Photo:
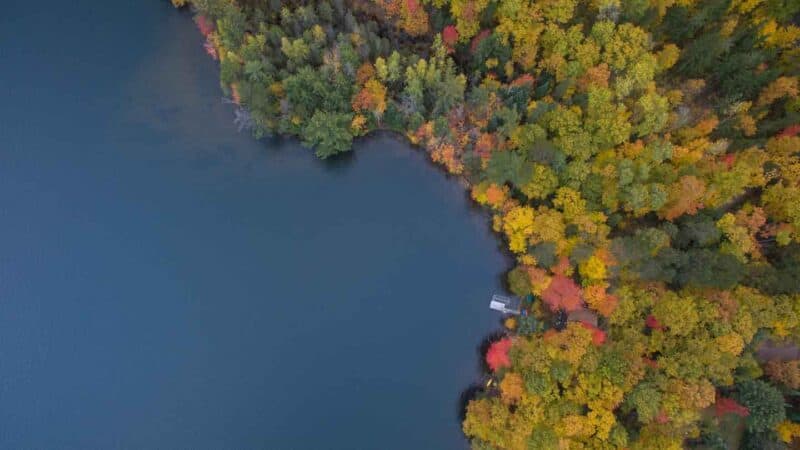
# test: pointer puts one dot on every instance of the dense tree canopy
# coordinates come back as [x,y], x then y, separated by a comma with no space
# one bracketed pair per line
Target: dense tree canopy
[641,158]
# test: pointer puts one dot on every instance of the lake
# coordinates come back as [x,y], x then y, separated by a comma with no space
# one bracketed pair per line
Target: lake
[167,282]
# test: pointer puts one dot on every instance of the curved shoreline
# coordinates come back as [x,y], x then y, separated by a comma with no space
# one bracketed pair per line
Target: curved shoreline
[635,204]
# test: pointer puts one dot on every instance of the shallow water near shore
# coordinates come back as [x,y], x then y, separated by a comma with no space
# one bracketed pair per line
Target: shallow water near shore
[168,282]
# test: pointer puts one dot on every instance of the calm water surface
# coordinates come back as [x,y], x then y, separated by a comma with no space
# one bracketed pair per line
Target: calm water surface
[168,283]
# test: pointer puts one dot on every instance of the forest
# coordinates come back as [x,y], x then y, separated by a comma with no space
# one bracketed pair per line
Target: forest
[640,159]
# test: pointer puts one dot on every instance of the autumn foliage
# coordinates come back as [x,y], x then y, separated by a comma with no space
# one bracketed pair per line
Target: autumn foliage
[653,323]
[473,46]
[792,130]
[450,36]
[598,335]
[205,25]
[598,299]
[641,160]
[372,97]
[562,293]
[784,372]
[497,355]
[726,405]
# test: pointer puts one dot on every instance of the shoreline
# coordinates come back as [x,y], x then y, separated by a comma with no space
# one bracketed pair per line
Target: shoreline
[619,191]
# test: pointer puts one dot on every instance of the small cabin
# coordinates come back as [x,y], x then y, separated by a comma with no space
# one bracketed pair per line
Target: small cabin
[506,305]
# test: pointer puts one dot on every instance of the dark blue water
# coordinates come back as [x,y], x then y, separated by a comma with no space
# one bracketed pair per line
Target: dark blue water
[168,283]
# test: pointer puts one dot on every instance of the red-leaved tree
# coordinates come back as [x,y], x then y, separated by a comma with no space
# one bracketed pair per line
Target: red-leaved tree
[473,46]
[598,335]
[210,50]
[497,355]
[450,36]
[522,80]
[726,405]
[653,323]
[562,293]
[792,130]
[206,26]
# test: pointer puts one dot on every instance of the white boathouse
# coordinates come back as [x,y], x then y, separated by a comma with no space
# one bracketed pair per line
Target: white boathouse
[506,305]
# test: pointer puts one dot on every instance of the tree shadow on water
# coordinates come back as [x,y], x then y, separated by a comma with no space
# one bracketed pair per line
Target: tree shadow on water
[466,396]
[475,389]
[339,163]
